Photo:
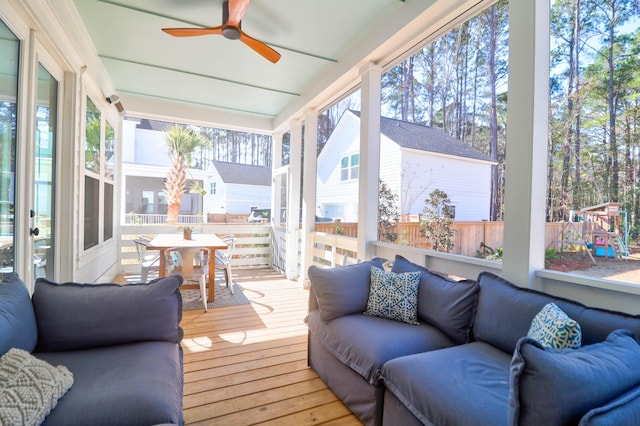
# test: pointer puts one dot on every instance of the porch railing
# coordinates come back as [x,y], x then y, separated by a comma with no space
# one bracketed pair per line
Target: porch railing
[253,247]
[160,219]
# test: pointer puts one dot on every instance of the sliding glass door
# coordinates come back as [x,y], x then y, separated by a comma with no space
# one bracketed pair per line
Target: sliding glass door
[9,54]
[43,212]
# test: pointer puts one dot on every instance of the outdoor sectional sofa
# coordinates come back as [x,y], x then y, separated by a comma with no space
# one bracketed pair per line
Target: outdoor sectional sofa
[469,360]
[93,354]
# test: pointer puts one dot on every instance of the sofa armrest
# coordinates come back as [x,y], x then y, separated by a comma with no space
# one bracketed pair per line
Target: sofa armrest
[74,316]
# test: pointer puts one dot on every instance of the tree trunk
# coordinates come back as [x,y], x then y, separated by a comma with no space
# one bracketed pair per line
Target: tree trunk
[493,115]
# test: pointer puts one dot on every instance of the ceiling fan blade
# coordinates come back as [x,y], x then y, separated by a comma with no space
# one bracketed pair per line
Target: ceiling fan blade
[261,48]
[191,32]
[237,8]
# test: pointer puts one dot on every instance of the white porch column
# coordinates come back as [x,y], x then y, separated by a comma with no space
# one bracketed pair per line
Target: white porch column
[369,158]
[526,161]
[276,163]
[293,200]
[309,191]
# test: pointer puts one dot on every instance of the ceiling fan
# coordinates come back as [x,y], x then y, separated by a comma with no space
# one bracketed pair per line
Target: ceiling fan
[232,13]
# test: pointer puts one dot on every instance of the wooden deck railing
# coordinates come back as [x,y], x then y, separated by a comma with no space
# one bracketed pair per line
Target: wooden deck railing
[252,250]
[468,237]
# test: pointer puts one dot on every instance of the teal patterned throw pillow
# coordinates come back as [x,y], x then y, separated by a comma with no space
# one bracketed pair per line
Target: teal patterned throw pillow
[394,296]
[552,328]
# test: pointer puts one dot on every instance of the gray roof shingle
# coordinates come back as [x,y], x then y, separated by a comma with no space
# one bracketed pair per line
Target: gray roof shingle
[425,138]
[243,173]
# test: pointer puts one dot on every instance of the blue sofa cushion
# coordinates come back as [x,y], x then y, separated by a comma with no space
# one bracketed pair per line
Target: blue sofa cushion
[134,384]
[552,328]
[623,410]
[75,316]
[343,290]
[550,387]
[447,304]
[18,327]
[365,343]
[394,296]
[463,385]
[505,312]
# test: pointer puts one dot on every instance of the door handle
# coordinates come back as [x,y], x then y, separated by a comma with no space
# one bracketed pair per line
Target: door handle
[34,231]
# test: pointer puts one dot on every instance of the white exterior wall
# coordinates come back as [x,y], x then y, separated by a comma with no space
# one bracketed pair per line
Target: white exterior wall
[240,198]
[214,203]
[467,183]
[335,198]
[391,168]
[151,148]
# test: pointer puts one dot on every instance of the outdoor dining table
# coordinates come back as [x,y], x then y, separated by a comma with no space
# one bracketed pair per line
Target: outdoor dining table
[211,241]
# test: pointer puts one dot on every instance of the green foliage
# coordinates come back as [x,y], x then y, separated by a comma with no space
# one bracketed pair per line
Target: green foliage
[489,252]
[388,214]
[437,224]
[551,254]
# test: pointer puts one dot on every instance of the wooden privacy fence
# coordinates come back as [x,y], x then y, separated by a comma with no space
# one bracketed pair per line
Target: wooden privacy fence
[468,237]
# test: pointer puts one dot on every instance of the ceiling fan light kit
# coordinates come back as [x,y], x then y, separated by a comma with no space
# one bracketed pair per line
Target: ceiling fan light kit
[232,13]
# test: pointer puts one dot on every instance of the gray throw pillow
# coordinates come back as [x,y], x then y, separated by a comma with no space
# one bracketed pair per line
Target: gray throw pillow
[77,316]
[343,290]
[444,303]
[18,327]
[551,387]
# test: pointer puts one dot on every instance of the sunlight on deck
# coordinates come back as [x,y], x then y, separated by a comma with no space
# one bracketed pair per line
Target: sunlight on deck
[247,364]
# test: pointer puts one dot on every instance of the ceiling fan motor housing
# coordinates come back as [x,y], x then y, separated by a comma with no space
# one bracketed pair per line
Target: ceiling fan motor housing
[230,32]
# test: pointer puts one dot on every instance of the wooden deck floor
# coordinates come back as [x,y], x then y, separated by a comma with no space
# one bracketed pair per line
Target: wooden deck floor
[247,364]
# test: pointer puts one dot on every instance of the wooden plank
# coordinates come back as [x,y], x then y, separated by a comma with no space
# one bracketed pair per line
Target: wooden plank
[247,364]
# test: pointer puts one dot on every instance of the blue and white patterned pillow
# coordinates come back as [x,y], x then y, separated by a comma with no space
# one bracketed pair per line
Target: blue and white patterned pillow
[552,328]
[394,296]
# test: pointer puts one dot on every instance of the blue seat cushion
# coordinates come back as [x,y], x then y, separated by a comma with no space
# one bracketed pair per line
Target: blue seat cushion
[133,384]
[505,312]
[343,290]
[551,387]
[75,316]
[623,410]
[18,327]
[462,385]
[445,303]
[365,343]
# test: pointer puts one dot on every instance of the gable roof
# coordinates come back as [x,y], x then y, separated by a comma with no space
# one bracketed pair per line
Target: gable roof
[243,173]
[425,138]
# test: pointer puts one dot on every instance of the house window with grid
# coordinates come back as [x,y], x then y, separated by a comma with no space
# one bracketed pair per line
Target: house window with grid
[350,167]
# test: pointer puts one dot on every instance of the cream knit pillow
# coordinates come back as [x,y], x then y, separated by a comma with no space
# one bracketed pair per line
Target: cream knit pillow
[29,388]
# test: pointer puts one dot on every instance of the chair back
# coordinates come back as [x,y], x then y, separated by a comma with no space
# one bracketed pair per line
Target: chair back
[225,256]
[145,256]
[190,262]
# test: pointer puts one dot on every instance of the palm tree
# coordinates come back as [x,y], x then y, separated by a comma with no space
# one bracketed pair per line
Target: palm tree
[182,142]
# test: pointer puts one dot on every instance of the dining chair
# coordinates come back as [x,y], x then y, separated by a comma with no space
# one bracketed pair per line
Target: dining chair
[149,259]
[193,264]
[223,259]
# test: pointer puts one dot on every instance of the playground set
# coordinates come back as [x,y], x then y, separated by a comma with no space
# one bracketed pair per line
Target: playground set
[598,231]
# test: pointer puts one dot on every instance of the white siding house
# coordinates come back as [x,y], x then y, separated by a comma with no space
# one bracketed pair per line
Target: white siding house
[230,187]
[415,160]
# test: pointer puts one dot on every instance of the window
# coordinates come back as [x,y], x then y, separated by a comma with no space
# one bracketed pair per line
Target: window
[99,170]
[350,167]
[91,211]
[212,188]
[108,212]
